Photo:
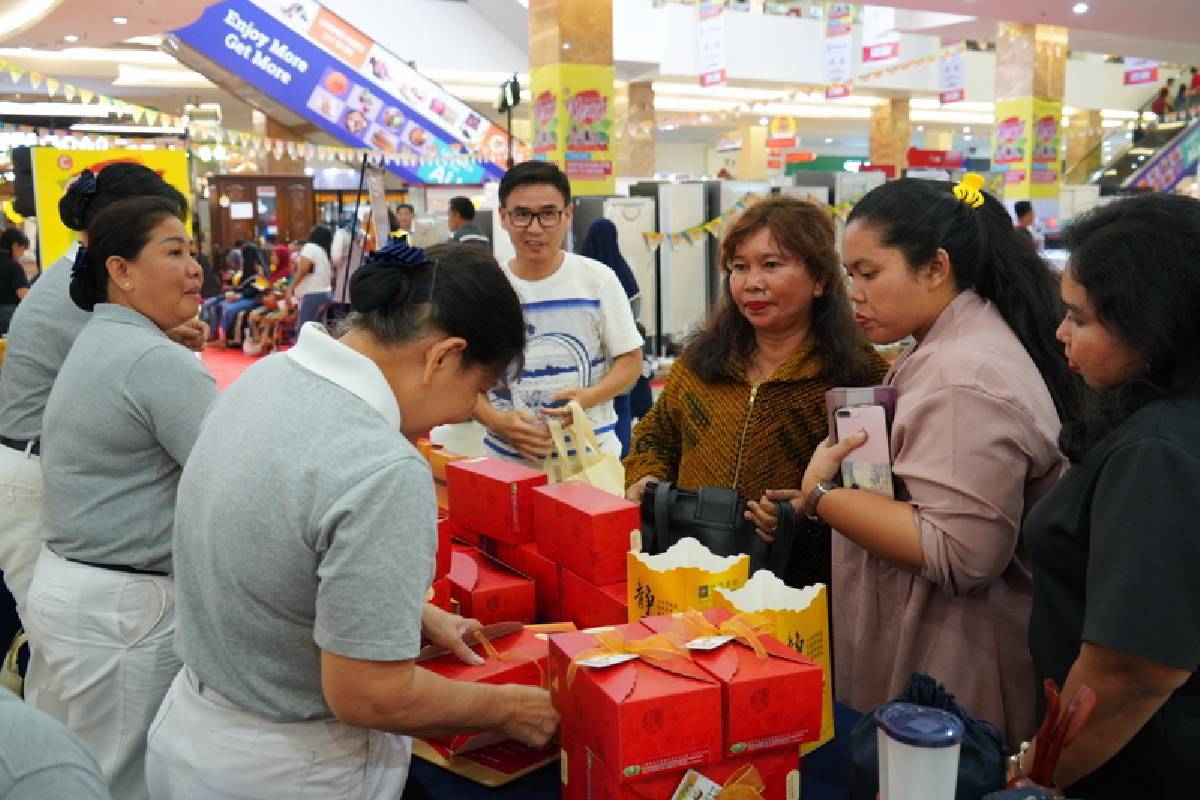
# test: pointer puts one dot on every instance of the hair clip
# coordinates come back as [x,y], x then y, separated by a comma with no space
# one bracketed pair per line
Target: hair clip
[84,184]
[968,190]
[80,265]
[399,253]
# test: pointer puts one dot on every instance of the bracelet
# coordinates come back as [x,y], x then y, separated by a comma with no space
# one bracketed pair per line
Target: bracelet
[814,497]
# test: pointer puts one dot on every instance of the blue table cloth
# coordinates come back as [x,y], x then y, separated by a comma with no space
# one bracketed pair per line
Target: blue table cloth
[825,775]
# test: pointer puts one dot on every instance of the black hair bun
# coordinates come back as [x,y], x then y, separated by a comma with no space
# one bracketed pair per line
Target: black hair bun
[73,205]
[83,282]
[386,276]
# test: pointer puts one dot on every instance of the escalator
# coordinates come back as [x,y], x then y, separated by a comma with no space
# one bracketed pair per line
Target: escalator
[1177,160]
[1132,156]
[297,60]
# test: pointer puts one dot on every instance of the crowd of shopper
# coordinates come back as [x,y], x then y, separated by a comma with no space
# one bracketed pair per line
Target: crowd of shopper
[1044,447]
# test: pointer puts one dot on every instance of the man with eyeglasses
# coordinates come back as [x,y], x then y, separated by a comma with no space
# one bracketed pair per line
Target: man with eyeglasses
[582,344]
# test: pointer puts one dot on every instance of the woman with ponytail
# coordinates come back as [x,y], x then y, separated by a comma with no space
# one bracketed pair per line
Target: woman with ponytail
[119,424]
[299,628]
[935,581]
[42,331]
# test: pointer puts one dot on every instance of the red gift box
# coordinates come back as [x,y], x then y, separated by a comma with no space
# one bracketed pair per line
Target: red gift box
[652,714]
[584,529]
[439,595]
[441,565]
[546,575]
[770,701]
[494,497]
[487,591]
[518,657]
[774,770]
[591,606]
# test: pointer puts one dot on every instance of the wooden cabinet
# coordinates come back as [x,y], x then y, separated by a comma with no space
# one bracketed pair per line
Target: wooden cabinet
[249,206]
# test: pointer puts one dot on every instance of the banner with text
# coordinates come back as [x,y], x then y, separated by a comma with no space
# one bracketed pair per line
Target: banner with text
[1028,147]
[839,49]
[952,77]
[572,123]
[710,42]
[54,169]
[880,39]
[310,60]
[1140,70]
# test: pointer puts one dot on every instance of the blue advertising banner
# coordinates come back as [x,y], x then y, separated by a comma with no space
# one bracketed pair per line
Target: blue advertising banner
[335,92]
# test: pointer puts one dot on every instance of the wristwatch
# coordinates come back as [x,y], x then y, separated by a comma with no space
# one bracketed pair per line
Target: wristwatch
[814,497]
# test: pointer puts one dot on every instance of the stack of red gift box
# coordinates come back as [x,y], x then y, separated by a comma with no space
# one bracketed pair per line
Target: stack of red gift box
[642,720]
[534,551]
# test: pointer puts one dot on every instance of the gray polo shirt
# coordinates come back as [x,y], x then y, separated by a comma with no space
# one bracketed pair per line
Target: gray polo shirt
[42,330]
[120,422]
[41,760]
[314,529]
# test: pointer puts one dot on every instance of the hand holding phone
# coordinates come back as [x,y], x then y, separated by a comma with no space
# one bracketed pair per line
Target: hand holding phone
[870,466]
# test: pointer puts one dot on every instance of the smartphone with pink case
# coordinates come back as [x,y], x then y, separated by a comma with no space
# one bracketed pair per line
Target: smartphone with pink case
[870,466]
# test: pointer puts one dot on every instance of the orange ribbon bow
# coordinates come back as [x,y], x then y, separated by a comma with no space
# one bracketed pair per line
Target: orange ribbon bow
[746,628]
[744,784]
[612,643]
[490,650]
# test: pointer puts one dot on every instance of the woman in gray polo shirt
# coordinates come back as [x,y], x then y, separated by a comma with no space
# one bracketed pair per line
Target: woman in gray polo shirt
[301,610]
[119,424]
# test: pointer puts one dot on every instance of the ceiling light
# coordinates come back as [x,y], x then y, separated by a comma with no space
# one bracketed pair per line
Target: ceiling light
[763,120]
[131,75]
[52,110]
[828,141]
[968,138]
[120,21]
[920,129]
[952,117]
[966,128]
[95,54]
[1080,8]
[71,38]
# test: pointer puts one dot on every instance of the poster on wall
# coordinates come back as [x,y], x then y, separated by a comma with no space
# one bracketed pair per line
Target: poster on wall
[1011,152]
[324,69]
[1140,70]
[839,49]
[880,39]
[54,170]
[952,78]
[782,132]
[572,123]
[1045,176]
[710,42]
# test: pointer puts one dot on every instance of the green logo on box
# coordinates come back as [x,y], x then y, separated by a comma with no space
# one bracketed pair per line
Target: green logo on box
[632,772]
[740,747]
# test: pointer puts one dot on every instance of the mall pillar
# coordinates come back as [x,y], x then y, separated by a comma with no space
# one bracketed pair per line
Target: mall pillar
[634,112]
[1085,145]
[752,158]
[571,81]
[1031,70]
[891,135]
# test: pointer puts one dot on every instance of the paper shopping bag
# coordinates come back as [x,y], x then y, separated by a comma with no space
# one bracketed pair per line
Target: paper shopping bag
[580,458]
[680,579]
[801,618]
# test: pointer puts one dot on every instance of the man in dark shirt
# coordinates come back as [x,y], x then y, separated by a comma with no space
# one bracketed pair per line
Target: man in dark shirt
[13,283]
[461,221]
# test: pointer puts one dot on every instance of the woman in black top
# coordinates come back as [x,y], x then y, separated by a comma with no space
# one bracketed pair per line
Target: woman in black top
[1116,543]
[13,283]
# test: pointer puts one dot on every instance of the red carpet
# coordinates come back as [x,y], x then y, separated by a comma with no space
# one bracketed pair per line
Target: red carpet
[226,365]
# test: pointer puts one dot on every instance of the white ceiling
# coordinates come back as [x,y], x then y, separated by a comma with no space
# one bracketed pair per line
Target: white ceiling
[1168,30]
[92,20]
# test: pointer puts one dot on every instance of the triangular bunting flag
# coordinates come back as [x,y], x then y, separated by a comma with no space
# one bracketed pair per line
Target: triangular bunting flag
[69,91]
[86,96]
[151,116]
[35,79]
[16,72]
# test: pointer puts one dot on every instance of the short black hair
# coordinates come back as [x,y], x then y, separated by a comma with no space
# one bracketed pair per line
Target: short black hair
[121,229]
[1022,207]
[12,237]
[272,238]
[409,206]
[463,207]
[535,172]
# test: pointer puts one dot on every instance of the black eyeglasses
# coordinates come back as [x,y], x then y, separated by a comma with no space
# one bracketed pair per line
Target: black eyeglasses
[523,217]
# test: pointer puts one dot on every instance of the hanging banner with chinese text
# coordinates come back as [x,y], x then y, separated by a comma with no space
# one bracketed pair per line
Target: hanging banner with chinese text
[710,42]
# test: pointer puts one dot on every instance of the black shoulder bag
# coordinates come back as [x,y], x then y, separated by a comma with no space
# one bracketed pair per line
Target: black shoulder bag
[716,517]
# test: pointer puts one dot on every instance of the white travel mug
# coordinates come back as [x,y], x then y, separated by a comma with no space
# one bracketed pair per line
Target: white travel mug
[918,752]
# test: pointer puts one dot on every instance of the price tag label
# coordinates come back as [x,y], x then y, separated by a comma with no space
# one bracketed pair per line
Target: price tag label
[708,642]
[610,660]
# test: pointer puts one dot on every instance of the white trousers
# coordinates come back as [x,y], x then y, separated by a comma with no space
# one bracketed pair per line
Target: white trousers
[20,521]
[203,746]
[102,658]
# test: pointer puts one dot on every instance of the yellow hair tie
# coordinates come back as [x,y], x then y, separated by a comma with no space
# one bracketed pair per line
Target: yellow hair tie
[968,190]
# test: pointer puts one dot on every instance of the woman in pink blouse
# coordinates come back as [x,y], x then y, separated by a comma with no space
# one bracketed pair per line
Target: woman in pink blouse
[936,581]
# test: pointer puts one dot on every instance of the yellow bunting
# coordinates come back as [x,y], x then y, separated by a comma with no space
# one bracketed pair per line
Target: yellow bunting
[86,96]
[35,79]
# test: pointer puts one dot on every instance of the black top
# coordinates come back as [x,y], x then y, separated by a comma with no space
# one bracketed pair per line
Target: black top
[1116,562]
[12,277]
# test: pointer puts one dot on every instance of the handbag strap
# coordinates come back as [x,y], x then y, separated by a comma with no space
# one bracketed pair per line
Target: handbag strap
[786,532]
[558,463]
[662,515]
[583,435]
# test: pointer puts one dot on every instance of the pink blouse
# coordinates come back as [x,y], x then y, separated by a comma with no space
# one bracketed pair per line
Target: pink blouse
[974,445]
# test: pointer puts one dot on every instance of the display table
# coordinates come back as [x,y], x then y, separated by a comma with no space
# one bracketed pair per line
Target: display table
[825,775]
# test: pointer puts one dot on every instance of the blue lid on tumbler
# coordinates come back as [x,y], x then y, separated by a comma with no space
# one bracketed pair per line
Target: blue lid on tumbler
[919,726]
